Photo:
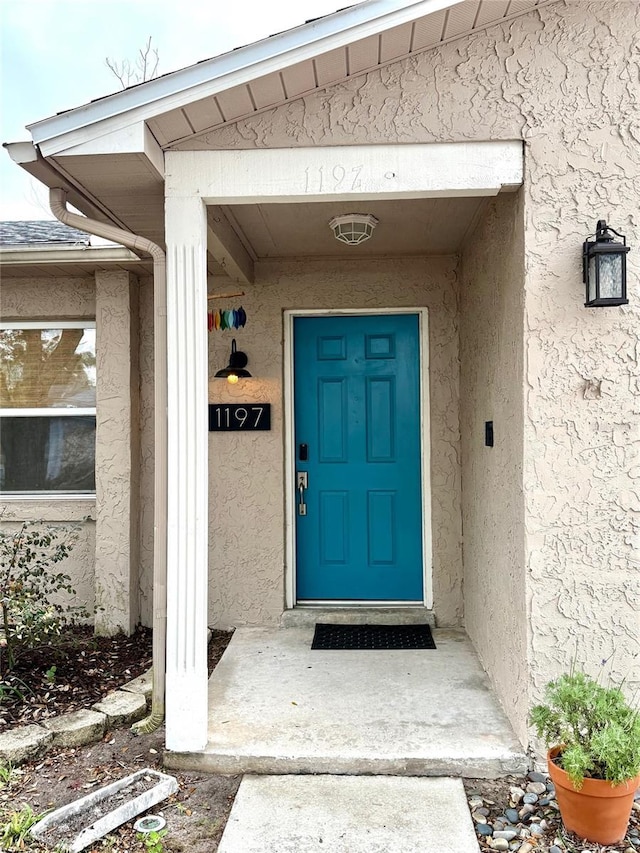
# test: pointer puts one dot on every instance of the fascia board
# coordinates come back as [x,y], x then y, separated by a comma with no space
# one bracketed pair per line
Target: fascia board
[391,171]
[27,156]
[182,87]
[132,139]
[44,255]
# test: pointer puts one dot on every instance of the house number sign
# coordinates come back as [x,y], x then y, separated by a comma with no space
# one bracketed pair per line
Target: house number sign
[239,417]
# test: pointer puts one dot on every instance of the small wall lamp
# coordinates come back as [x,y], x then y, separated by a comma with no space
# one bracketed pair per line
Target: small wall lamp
[236,368]
[604,268]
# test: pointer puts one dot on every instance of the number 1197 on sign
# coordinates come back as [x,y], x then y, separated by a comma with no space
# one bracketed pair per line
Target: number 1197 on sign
[239,417]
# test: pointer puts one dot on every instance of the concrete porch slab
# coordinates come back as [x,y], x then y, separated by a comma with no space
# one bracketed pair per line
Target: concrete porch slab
[277,707]
[349,814]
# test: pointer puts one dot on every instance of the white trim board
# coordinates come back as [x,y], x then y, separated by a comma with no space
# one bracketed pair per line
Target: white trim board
[47,324]
[49,412]
[349,172]
[289,444]
[46,497]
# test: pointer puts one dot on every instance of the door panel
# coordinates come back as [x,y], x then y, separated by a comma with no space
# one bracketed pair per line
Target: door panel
[357,408]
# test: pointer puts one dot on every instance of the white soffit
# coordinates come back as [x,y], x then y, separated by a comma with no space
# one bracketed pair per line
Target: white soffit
[270,72]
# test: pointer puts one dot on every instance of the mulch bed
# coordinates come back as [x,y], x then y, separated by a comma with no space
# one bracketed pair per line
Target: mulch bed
[71,672]
[217,645]
[86,669]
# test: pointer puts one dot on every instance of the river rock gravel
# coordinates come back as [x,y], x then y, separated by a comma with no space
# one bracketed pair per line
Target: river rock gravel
[520,814]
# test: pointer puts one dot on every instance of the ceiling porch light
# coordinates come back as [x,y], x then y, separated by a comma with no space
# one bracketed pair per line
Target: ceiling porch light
[353,228]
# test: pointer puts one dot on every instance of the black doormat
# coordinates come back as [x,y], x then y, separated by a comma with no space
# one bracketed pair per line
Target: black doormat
[372,637]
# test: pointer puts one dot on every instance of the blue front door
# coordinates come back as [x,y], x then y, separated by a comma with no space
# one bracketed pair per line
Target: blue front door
[357,438]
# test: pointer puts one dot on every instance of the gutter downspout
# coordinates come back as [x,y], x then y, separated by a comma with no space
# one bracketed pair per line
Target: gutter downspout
[58,205]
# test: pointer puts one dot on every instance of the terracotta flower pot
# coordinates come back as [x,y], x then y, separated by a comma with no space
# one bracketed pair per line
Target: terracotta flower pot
[597,812]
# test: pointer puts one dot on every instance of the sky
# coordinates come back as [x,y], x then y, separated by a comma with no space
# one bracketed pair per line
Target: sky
[52,58]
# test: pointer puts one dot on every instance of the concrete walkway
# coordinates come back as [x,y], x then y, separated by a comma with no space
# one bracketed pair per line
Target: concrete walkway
[277,707]
[378,729]
[349,814]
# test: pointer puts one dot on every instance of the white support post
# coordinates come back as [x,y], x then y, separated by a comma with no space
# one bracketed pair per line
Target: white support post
[187,474]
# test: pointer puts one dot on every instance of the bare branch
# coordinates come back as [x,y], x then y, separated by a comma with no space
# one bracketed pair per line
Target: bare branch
[145,68]
[121,70]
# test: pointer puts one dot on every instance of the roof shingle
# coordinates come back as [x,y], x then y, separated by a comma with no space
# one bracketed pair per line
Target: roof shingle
[41,233]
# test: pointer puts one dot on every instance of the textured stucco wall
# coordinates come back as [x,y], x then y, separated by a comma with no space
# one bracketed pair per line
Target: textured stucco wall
[246,483]
[68,299]
[565,80]
[75,523]
[117,457]
[491,389]
[146,436]
[582,416]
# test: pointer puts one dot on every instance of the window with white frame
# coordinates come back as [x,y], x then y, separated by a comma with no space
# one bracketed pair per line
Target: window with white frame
[47,408]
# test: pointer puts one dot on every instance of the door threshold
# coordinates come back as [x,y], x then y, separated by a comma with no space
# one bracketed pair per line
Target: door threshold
[367,613]
[349,602]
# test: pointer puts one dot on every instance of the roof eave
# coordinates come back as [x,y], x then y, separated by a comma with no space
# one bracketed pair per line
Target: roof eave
[28,157]
[174,90]
[14,255]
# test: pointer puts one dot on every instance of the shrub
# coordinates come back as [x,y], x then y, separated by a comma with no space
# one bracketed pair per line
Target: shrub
[15,828]
[595,727]
[152,840]
[32,592]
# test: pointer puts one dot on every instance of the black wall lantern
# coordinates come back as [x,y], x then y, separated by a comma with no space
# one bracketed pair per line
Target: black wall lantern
[604,268]
[236,368]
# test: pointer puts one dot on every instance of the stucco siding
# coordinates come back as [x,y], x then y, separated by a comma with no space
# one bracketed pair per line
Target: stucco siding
[582,449]
[147,454]
[48,298]
[246,482]
[75,523]
[56,299]
[553,73]
[117,443]
[491,389]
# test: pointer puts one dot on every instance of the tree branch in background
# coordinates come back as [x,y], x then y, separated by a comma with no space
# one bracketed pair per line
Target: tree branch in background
[145,66]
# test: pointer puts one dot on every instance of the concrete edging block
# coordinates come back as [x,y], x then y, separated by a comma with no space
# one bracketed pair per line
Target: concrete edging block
[21,744]
[121,708]
[142,685]
[77,728]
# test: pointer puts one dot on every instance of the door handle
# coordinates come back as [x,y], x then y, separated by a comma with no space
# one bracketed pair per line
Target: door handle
[302,480]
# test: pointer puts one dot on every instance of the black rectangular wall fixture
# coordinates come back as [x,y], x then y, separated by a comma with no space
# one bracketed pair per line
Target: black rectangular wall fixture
[239,417]
[488,433]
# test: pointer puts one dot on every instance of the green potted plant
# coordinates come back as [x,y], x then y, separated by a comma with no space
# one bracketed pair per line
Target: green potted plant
[593,737]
